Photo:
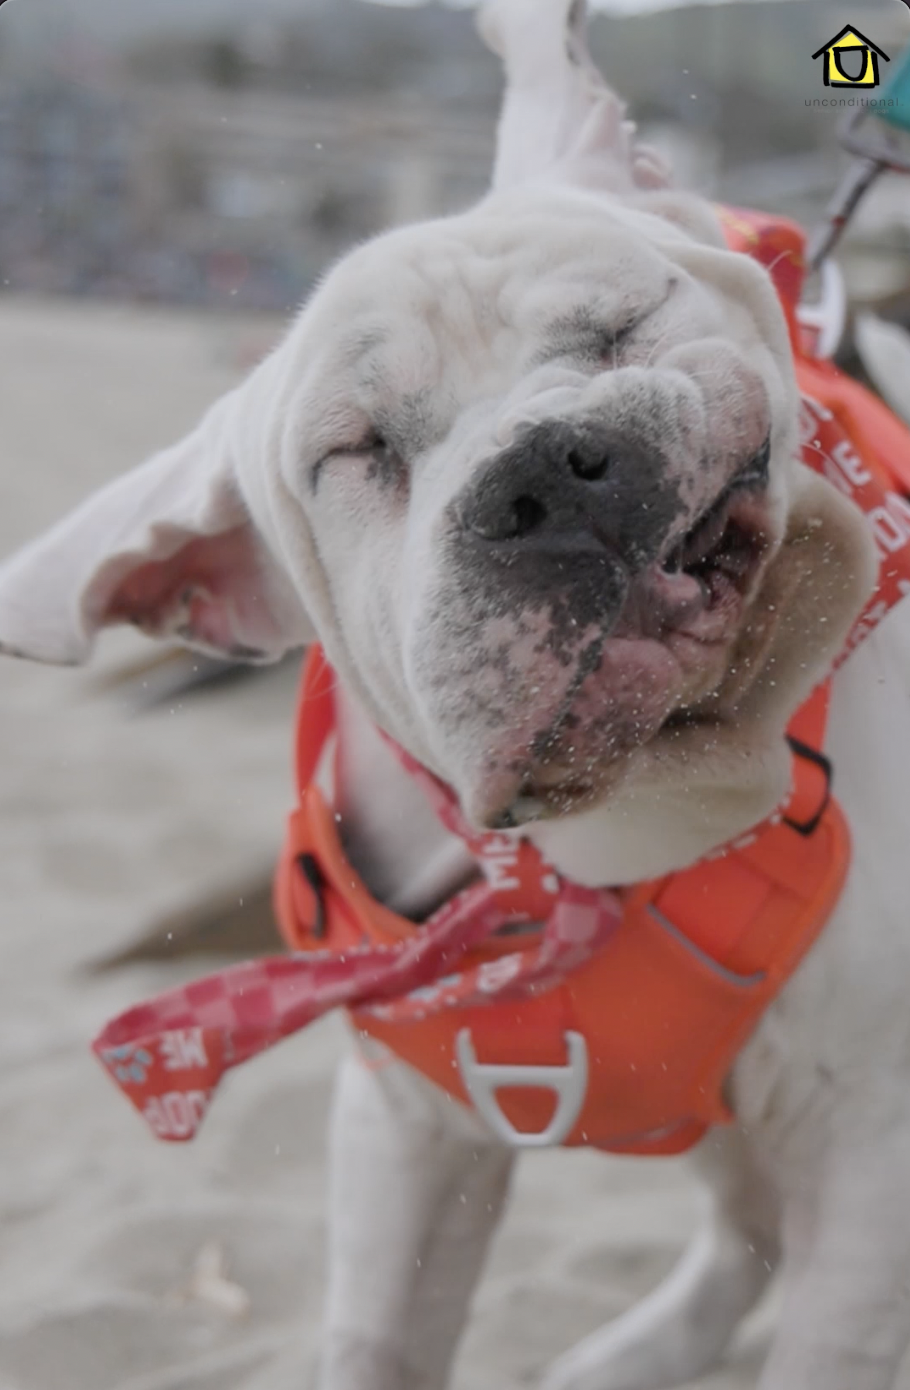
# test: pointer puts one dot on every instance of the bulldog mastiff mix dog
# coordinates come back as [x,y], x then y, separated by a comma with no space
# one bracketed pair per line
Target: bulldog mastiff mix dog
[531,474]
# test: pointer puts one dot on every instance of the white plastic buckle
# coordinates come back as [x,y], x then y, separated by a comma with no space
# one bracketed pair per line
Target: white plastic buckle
[570,1082]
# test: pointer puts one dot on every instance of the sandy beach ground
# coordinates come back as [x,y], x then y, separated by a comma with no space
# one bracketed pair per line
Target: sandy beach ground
[110,818]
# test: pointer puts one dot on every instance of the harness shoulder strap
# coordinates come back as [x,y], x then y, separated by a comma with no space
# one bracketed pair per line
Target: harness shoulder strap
[315,716]
[309,909]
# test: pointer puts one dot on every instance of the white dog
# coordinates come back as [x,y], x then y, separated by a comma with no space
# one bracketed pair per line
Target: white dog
[484,467]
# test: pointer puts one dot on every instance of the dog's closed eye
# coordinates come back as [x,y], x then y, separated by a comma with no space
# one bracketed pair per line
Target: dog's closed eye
[598,335]
[613,341]
[384,462]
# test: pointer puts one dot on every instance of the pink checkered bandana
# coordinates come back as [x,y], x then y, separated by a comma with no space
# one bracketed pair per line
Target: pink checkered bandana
[169,1055]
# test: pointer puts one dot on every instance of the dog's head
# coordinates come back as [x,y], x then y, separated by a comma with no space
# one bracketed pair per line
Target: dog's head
[531,474]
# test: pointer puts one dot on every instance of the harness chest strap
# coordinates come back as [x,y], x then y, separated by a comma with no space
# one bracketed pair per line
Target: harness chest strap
[614,1025]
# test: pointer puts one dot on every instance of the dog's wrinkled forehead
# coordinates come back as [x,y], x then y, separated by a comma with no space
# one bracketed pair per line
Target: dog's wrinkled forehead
[409,330]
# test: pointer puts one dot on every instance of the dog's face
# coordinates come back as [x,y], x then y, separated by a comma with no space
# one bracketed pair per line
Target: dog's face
[547,459]
[531,473]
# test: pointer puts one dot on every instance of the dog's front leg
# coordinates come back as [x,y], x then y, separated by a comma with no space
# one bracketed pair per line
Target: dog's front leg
[681,1329]
[845,1323]
[416,1187]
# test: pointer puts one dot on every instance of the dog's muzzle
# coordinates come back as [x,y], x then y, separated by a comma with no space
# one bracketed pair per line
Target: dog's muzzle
[562,509]
[557,488]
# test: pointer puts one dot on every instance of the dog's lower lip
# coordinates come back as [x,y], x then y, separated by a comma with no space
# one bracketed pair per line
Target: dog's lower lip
[535,803]
[523,811]
[549,796]
[683,719]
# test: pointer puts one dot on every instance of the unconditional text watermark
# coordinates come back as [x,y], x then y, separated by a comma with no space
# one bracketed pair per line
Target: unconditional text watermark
[873,103]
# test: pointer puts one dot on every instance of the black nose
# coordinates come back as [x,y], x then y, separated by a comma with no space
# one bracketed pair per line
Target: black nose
[554,486]
[565,517]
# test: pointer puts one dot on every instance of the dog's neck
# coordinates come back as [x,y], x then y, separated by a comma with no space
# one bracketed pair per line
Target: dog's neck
[407,859]
[412,864]
[644,832]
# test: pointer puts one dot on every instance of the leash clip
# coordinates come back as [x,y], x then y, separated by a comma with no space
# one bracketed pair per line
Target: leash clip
[570,1082]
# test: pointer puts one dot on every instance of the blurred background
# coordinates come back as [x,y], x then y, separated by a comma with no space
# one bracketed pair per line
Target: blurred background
[218,153]
[174,175]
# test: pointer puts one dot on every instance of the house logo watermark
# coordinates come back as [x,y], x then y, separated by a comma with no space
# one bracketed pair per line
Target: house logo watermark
[851,60]
[851,70]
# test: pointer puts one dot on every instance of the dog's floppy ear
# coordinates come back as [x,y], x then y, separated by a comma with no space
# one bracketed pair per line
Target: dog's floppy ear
[559,118]
[169,547]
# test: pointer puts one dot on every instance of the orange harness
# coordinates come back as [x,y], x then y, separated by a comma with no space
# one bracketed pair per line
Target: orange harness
[630,1053]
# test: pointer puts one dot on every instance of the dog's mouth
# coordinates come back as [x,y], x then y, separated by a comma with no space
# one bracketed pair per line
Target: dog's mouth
[713,566]
[723,549]
[668,650]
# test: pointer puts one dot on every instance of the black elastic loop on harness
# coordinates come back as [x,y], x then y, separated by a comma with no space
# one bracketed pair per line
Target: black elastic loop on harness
[812,755]
[313,875]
